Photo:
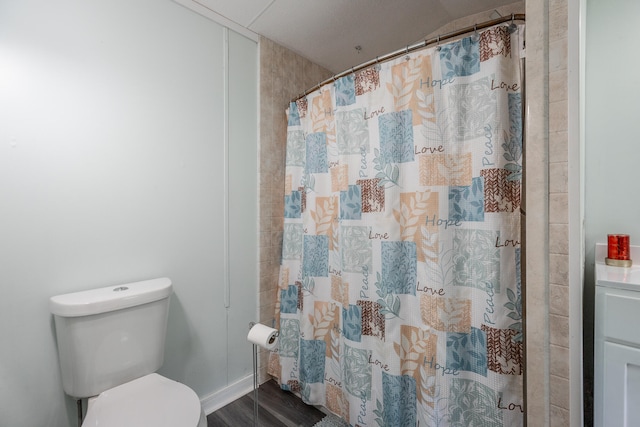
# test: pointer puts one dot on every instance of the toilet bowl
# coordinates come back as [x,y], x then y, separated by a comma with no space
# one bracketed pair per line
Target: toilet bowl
[152,400]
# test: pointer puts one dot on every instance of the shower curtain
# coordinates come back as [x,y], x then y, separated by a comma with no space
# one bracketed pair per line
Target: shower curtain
[399,300]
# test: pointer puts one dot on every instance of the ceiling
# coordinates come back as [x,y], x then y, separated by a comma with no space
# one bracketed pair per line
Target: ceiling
[328,31]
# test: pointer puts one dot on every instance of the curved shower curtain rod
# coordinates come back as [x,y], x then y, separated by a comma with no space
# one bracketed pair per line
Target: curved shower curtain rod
[424,43]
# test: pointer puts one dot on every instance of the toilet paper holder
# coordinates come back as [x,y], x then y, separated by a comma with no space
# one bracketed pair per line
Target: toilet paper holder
[271,339]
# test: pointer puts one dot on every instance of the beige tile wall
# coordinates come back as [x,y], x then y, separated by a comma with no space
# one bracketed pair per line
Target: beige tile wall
[548,308]
[283,76]
[559,367]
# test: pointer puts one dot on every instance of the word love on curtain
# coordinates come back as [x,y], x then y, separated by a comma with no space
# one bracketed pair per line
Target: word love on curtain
[399,300]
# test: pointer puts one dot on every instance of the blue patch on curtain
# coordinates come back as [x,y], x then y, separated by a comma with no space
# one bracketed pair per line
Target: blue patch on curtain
[352,131]
[315,256]
[316,154]
[399,267]
[295,148]
[518,270]
[292,241]
[399,398]
[292,205]
[396,137]
[289,300]
[513,144]
[352,322]
[473,404]
[345,91]
[467,351]
[351,203]
[515,119]
[294,115]
[459,59]
[476,260]
[466,203]
[473,107]
[357,372]
[289,338]
[357,249]
[312,355]
[516,310]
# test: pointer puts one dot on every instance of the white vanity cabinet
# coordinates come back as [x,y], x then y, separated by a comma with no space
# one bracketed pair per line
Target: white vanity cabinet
[617,343]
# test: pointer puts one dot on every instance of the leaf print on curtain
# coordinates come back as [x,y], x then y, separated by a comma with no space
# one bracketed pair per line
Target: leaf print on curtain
[399,297]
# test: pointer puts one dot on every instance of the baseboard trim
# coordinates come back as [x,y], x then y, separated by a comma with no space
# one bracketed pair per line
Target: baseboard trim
[220,398]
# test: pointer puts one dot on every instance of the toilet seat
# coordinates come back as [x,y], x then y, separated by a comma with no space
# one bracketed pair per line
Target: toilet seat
[152,400]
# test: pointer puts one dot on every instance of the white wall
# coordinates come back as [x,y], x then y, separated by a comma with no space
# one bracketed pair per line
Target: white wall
[612,117]
[112,131]
[612,153]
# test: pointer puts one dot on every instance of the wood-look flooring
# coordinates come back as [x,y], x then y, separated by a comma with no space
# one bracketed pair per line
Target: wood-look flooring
[277,408]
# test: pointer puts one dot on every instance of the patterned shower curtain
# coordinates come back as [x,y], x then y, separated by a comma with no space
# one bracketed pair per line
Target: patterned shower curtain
[399,300]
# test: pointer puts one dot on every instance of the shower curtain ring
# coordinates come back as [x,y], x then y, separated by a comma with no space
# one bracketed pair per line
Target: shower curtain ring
[512,27]
[438,44]
[406,51]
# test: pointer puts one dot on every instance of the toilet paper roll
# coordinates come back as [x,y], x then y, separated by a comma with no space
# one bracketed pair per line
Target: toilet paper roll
[263,336]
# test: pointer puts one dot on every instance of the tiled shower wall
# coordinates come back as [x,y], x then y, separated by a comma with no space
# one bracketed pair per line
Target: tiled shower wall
[558,302]
[283,76]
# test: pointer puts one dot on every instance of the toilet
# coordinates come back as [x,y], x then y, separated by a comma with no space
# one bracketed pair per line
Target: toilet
[110,345]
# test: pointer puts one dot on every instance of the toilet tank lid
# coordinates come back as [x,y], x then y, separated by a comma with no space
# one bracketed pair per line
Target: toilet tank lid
[110,298]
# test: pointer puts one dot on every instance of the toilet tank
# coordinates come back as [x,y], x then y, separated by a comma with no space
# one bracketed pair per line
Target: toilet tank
[111,335]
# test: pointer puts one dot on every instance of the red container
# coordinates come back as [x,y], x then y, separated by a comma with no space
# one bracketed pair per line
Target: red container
[618,247]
